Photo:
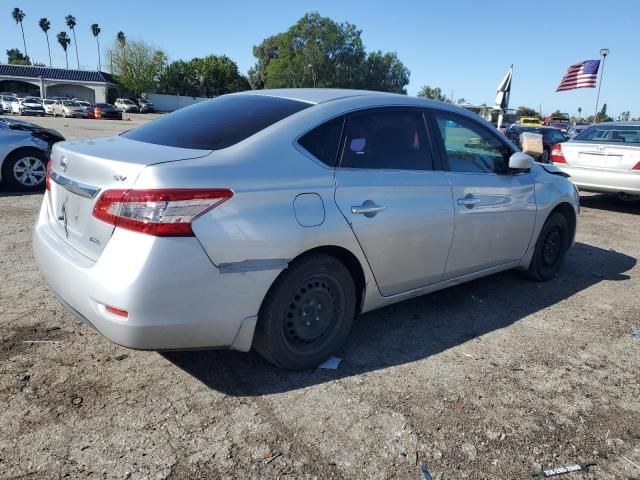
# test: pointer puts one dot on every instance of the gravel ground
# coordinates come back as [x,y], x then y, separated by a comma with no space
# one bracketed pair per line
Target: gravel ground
[492,379]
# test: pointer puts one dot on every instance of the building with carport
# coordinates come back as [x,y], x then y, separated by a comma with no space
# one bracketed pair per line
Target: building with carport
[90,85]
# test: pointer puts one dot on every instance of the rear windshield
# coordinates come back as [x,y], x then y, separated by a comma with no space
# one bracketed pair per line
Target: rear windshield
[218,123]
[610,134]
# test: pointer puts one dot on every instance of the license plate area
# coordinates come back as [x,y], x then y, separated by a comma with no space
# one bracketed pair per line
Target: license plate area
[599,160]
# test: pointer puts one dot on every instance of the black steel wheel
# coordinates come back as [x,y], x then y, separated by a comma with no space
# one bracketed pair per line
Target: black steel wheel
[307,314]
[551,247]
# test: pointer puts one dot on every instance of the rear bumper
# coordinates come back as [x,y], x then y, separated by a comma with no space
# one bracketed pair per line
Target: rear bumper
[176,298]
[603,180]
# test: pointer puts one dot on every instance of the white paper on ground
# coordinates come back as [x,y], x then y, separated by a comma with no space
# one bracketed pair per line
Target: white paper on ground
[332,363]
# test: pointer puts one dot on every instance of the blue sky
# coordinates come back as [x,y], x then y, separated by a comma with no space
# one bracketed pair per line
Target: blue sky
[464,46]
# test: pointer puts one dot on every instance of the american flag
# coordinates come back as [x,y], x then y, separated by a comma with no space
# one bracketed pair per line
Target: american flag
[580,75]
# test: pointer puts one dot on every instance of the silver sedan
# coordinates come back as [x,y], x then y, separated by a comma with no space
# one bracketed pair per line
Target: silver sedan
[604,158]
[272,218]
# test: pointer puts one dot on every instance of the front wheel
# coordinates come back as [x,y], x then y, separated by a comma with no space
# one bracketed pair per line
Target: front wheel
[307,314]
[551,247]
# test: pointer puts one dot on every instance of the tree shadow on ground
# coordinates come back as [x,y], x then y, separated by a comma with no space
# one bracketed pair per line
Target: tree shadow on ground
[415,329]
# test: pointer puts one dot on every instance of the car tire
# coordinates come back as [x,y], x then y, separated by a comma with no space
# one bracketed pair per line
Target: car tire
[307,314]
[551,248]
[20,159]
[546,156]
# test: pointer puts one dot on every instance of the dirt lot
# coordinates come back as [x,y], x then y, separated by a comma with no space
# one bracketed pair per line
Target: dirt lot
[493,379]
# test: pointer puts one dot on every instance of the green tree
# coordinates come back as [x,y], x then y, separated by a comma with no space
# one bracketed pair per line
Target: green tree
[433,93]
[318,52]
[71,23]
[45,25]
[95,30]
[15,57]
[136,65]
[210,76]
[526,112]
[64,41]
[624,116]
[602,115]
[18,15]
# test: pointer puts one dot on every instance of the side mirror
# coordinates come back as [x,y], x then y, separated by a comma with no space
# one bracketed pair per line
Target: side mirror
[520,161]
[531,144]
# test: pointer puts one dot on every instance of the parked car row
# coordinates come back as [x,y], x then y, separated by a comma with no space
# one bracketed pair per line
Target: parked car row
[550,137]
[71,107]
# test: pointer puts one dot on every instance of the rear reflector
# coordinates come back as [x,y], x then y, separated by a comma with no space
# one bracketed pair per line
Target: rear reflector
[47,178]
[159,212]
[556,154]
[116,311]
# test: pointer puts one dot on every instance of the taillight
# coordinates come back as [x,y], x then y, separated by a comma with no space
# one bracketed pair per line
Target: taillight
[556,154]
[636,167]
[47,178]
[159,212]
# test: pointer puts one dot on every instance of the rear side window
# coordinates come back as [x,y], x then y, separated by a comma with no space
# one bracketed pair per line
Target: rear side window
[387,139]
[218,123]
[323,142]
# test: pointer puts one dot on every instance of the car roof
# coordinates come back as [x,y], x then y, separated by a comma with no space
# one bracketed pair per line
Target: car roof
[620,124]
[316,95]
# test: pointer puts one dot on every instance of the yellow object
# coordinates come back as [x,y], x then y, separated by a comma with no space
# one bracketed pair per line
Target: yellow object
[533,121]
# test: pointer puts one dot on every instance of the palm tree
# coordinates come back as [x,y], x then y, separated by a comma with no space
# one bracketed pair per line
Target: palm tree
[45,25]
[18,15]
[71,23]
[64,41]
[95,29]
[122,40]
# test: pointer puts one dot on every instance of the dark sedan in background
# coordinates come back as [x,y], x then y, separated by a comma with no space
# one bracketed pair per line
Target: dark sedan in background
[550,137]
[106,110]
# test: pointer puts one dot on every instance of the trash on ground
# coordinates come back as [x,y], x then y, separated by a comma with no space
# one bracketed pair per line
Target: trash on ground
[121,357]
[552,472]
[636,332]
[272,458]
[425,472]
[332,363]
[76,400]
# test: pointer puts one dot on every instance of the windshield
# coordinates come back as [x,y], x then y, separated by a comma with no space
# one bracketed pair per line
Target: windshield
[218,123]
[68,103]
[611,134]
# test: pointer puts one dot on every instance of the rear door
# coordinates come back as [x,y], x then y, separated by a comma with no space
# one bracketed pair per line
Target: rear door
[396,200]
[495,209]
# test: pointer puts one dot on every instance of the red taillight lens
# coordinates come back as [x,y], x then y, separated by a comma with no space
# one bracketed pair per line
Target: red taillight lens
[636,167]
[556,154]
[47,178]
[116,311]
[160,212]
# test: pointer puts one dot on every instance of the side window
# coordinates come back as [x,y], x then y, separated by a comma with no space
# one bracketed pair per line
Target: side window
[391,139]
[470,147]
[323,142]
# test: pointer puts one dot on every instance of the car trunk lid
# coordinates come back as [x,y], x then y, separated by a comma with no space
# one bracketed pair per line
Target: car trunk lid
[82,170]
[606,156]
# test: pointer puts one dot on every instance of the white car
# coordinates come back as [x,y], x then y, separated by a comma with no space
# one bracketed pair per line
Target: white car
[48,105]
[27,106]
[5,102]
[604,158]
[126,105]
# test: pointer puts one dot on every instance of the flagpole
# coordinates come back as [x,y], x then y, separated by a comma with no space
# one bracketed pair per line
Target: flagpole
[604,52]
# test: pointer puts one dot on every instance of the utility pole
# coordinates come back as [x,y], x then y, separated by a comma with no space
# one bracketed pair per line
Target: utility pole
[604,52]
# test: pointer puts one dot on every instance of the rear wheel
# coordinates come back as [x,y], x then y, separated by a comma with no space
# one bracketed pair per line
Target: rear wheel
[628,198]
[307,314]
[551,247]
[25,170]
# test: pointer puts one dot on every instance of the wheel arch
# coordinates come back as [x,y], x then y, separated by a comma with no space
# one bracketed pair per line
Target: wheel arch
[350,261]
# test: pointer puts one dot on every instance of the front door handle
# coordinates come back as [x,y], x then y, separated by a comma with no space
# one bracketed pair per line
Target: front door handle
[368,209]
[468,202]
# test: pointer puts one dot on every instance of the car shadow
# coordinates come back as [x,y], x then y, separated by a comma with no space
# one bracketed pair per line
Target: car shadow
[414,329]
[609,202]
[5,192]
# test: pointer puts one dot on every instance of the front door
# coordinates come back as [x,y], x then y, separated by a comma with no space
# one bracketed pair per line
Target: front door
[495,209]
[396,202]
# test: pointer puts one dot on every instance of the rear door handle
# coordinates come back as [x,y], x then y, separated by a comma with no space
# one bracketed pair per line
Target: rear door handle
[368,209]
[469,202]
